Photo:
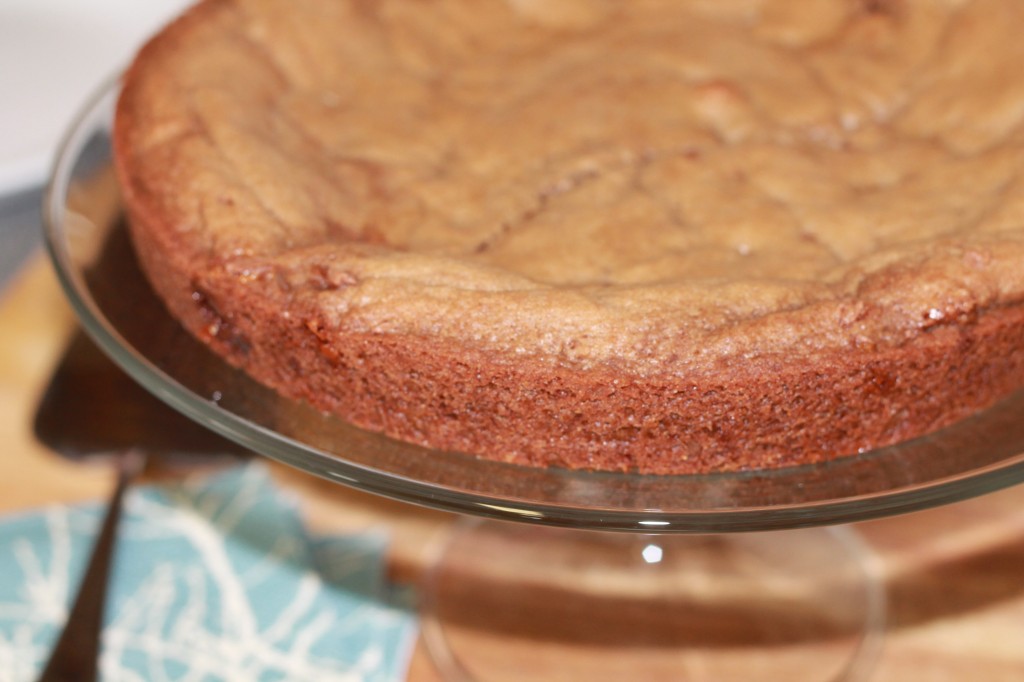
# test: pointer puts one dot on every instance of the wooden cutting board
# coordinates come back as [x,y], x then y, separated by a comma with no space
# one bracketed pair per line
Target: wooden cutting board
[955,575]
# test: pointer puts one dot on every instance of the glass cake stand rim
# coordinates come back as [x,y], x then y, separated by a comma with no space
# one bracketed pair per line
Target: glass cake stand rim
[714,513]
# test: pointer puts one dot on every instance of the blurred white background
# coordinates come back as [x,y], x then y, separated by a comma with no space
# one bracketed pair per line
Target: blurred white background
[53,55]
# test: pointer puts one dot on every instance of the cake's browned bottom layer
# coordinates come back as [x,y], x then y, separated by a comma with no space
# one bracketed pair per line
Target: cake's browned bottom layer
[783,412]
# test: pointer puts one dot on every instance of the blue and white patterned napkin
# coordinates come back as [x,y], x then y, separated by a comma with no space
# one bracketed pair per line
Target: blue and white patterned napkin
[214,579]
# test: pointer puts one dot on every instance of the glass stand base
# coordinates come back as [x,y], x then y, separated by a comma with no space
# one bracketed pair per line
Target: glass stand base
[506,601]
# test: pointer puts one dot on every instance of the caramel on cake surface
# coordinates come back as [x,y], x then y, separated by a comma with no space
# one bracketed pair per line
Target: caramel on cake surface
[674,196]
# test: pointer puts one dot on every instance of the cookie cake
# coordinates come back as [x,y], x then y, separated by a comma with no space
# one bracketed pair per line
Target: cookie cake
[659,236]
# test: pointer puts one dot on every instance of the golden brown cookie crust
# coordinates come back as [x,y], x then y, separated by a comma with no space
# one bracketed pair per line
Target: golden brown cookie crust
[665,236]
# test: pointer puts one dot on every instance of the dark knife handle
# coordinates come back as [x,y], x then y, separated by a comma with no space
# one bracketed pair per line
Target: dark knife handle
[75,657]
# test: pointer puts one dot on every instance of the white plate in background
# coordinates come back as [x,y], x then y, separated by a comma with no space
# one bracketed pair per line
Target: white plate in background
[53,55]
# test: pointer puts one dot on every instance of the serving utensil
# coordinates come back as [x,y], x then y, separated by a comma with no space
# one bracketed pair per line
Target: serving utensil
[93,410]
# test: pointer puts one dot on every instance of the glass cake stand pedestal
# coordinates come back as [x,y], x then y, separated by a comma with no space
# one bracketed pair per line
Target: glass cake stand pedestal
[557,574]
[507,601]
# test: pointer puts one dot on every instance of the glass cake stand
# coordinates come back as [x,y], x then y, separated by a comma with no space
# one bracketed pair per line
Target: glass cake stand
[605,575]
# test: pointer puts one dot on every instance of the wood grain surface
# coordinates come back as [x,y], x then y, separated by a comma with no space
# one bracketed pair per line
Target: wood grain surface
[954,575]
